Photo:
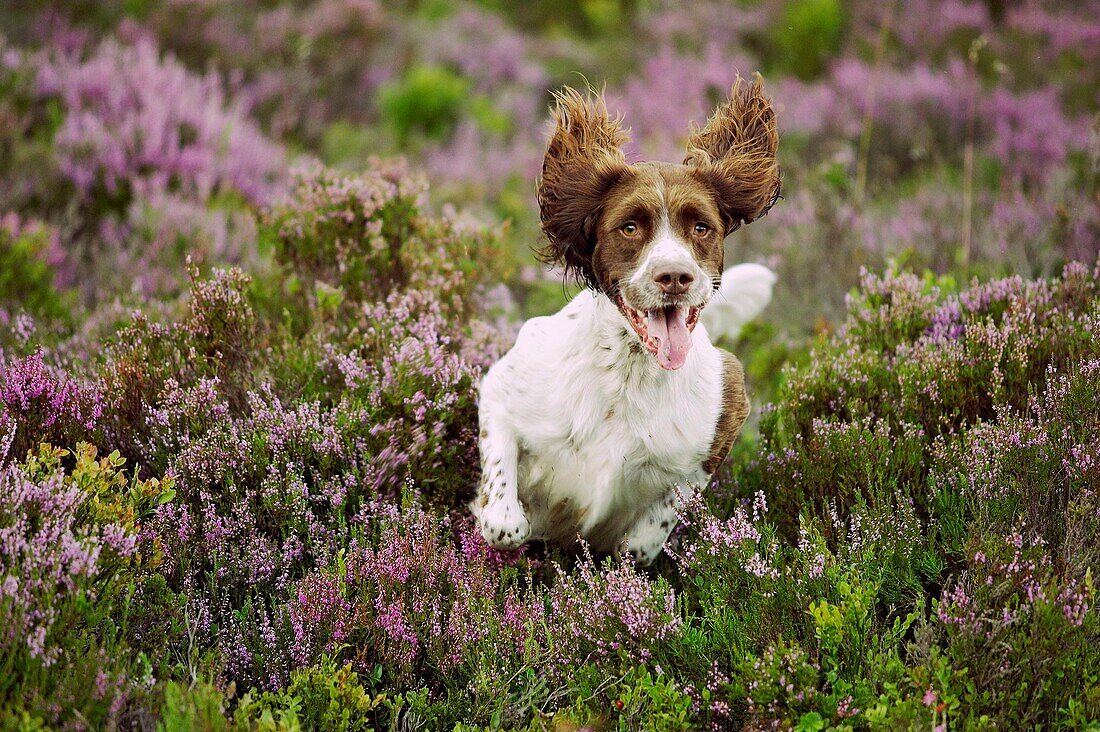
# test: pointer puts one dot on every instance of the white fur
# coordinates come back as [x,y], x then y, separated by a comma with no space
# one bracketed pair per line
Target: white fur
[578,415]
[668,251]
[746,290]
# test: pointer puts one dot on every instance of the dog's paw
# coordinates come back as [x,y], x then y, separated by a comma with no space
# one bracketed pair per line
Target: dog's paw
[504,525]
[642,555]
[646,542]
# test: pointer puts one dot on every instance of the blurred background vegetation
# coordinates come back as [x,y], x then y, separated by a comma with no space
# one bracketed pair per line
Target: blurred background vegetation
[951,135]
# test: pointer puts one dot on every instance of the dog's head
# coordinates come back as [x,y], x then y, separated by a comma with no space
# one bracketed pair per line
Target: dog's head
[649,235]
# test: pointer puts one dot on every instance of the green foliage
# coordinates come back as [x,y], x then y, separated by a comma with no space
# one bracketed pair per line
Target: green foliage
[428,100]
[807,35]
[26,277]
[199,707]
[638,699]
[27,163]
[322,697]
[427,104]
[16,719]
[346,145]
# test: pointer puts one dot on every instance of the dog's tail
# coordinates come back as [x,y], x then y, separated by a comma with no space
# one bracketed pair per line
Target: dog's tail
[746,290]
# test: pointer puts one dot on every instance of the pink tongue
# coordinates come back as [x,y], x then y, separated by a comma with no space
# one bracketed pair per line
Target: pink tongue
[668,328]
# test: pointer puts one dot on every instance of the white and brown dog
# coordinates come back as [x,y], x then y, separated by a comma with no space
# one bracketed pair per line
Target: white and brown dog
[605,417]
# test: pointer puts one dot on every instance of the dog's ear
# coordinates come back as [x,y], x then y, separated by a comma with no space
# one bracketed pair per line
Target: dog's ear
[584,161]
[735,154]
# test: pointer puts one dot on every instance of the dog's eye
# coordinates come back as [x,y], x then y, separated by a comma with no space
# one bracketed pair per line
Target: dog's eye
[629,228]
[701,229]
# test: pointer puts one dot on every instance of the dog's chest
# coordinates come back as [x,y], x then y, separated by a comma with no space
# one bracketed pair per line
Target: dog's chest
[606,449]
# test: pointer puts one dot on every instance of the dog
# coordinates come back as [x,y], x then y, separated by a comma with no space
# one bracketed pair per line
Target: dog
[606,417]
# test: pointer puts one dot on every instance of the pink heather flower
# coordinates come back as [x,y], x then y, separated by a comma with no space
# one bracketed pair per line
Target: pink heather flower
[737,536]
[101,682]
[49,554]
[44,406]
[320,617]
[138,120]
[28,388]
[611,610]
[391,620]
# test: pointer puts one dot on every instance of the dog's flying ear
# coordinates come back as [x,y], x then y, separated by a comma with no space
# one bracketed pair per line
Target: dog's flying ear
[735,154]
[584,161]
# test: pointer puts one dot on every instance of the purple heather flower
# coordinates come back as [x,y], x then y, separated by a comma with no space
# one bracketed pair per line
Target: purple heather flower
[138,120]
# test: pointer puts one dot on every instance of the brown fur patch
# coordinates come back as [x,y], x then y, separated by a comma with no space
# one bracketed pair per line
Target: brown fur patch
[735,153]
[583,162]
[735,410]
[616,256]
[690,204]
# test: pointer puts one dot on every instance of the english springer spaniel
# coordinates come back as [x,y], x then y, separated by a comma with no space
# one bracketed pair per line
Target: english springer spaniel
[603,419]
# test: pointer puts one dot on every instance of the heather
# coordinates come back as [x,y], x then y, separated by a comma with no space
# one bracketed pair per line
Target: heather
[255,258]
[280,551]
[887,554]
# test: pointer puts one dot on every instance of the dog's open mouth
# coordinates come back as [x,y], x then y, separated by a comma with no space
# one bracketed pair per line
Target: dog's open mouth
[665,332]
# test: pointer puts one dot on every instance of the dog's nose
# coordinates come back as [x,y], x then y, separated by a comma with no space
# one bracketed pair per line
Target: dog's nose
[674,282]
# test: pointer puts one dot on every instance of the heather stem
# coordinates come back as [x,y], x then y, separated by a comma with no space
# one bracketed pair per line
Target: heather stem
[868,113]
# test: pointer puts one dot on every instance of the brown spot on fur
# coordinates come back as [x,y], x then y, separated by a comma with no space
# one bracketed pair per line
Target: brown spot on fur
[735,410]
[561,511]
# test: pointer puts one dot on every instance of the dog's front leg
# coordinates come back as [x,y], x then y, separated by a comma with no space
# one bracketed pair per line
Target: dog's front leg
[650,531]
[500,516]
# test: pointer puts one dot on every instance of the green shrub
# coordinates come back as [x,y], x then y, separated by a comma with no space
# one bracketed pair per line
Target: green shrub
[26,277]
[637,699]
[1036,467]
[428,101]
[200,707]
[911,369]
[807,35]
[1024,630]
[344,240]
[322,697]
[215,342]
